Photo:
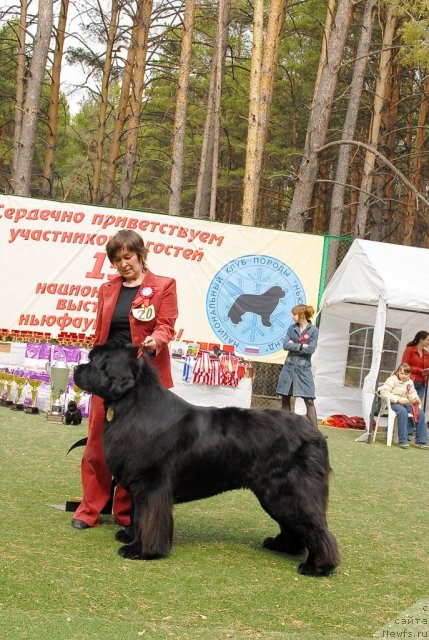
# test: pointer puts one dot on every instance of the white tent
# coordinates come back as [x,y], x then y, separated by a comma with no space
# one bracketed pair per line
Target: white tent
[379,289]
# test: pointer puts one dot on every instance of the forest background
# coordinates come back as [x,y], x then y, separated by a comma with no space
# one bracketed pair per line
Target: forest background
[304,115]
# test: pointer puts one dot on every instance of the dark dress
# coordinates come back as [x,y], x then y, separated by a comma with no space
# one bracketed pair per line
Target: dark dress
[296,377]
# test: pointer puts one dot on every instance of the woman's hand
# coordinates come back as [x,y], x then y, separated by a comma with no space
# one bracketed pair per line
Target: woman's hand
[149,344]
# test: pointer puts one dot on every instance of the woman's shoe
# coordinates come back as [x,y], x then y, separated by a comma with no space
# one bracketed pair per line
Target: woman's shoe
[80,524]
[405,446]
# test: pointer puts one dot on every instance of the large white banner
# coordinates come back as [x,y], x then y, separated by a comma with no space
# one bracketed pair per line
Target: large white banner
[236,285]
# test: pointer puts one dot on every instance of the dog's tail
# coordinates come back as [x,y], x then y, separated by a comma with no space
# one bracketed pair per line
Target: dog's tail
[80,443]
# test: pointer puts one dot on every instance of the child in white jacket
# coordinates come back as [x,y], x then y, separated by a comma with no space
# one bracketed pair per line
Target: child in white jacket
[400,390]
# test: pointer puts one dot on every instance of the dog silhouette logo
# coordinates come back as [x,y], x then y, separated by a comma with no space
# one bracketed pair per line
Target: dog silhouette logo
[249,303]
[262,304]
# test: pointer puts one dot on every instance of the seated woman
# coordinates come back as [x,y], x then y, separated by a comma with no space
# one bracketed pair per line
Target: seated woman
[400,390]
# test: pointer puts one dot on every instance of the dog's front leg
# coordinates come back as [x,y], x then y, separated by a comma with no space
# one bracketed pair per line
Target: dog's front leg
[127,534]
[153,527]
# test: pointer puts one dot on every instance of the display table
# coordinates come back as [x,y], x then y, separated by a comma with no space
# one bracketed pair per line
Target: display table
[208,395]
[30,360]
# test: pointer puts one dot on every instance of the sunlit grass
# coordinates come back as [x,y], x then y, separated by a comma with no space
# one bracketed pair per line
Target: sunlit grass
[62,584]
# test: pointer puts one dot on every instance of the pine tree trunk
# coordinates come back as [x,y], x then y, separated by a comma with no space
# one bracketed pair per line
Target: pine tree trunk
[20,86]
[22,178]
[419,154]
[222,36]
[355,182]
[181,105]
[348,133]
[202,195]
[329,23]
[379,100]
[320,217]
[104,101]
[389,146]
[54,99]
[115,142]
[382,174]
[407,145]
[276,19]
[136,97]
[204,183]
[319,119]
[249,196]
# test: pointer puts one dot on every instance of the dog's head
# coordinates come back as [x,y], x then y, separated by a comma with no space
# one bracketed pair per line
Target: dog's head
[275,292]
[72,406]
[110,373]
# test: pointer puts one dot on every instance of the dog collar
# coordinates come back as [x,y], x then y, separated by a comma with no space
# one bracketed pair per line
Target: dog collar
[109,414]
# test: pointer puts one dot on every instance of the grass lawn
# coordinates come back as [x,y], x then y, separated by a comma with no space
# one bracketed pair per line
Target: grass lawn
[58,583]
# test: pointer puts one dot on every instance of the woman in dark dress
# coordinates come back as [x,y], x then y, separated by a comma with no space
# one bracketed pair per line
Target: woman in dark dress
[296,378]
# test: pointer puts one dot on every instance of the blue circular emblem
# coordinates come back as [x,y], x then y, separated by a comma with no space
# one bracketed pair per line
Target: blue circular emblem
[249,303]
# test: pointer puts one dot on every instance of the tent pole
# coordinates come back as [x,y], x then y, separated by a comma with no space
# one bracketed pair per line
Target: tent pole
[373,407]
[377,346]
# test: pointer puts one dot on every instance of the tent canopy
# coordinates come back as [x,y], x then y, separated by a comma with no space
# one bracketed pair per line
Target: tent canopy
[378,285]
[372,270]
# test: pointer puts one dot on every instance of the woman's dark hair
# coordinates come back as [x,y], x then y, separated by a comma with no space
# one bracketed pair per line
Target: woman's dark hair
[128,239]
[420,335]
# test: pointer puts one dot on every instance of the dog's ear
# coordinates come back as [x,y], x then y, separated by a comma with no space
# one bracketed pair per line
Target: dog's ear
[121,385]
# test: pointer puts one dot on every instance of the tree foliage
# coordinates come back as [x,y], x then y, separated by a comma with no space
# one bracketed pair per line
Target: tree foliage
[399,139]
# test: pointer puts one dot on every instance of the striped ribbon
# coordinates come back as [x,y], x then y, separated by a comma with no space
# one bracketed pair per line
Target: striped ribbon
[227,370]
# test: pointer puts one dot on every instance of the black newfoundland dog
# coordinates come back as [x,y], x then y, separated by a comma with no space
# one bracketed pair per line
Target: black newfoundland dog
[73,414]
[165,451]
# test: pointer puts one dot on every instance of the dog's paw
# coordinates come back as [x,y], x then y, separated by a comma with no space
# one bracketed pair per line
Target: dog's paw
[309,569]
[134,552]
[124,535]
[153,556]
[284,545]
[130,552]
[270,543]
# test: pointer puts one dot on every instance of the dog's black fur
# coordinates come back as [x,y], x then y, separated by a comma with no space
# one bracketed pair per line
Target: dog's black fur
[73,414]
[165,451]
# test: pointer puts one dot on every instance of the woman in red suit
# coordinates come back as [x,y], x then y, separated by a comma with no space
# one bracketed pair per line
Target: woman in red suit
[417,356]
[135,307]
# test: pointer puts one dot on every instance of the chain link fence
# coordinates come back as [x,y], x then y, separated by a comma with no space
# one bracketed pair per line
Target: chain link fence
[266,375]
[264,385]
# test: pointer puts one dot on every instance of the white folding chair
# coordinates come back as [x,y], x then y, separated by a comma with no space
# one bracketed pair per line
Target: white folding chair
[386,411]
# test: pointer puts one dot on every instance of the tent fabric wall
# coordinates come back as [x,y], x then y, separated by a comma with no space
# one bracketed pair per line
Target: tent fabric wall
[330,359]
[378,285]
